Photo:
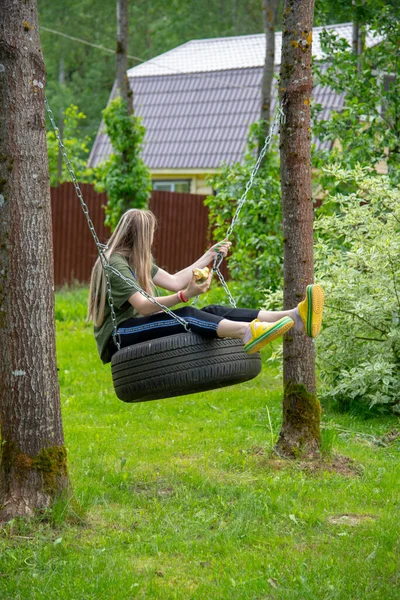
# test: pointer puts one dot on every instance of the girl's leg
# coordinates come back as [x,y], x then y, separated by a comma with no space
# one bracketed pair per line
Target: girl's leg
[306,316]
[270,316]
[161,324]
[206,323]
[232,329]
[255,335]
[248,314]
[244,324]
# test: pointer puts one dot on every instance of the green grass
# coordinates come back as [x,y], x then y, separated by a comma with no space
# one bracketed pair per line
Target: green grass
[178,499]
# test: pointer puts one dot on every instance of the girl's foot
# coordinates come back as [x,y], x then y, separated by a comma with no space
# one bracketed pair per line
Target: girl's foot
[310,310]
[260,334]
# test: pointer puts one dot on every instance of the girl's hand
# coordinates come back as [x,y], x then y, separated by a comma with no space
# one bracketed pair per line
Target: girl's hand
[222,247]
[195,289]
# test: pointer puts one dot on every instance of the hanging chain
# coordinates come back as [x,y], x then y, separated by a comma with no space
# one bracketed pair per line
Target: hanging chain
[279,118]
[102,247]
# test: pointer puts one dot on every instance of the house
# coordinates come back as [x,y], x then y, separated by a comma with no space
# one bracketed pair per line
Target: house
[197,102]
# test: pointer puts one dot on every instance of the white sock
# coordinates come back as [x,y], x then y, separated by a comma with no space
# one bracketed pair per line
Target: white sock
[298,321]
[247,335]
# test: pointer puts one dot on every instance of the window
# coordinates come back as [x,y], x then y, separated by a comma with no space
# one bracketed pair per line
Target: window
[172,185]
[389,81]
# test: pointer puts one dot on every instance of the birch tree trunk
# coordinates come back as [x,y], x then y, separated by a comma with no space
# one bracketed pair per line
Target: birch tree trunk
[33,468]
[300,434]
[121,59]
[269,9]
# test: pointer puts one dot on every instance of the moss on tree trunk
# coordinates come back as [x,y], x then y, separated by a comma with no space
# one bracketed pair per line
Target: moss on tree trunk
[31,482]
[300,435]
[50,463]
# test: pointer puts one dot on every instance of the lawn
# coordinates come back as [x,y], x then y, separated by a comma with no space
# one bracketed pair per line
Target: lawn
[181,499]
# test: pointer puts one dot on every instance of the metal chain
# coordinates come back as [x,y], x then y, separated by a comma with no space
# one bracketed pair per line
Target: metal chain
[279,118]
[102,247]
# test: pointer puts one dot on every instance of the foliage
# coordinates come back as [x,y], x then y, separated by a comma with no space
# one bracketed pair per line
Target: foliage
[123,176]
[77,149]
[357,262]
[257,255]
[368,126]
[342,11]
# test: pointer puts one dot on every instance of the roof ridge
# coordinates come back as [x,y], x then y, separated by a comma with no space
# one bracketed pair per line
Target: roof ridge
[221,53]
[249,35]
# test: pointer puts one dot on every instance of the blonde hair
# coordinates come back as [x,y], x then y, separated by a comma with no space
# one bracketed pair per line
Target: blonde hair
[132,238]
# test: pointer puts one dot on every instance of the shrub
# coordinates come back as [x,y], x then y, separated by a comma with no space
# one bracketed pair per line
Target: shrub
[357,261]
[367,127]
[77,149]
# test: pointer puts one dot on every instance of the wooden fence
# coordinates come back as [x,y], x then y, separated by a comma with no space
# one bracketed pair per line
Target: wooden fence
[182,235]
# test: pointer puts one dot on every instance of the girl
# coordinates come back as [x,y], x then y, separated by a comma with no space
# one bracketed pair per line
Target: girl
[139,320]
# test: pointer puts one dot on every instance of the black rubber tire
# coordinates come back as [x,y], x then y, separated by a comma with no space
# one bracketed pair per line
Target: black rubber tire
[178,365]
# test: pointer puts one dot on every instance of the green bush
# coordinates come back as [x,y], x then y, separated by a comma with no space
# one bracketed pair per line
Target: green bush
[367,127]
[123,176]
[76,146]
[257,253]
[357,262]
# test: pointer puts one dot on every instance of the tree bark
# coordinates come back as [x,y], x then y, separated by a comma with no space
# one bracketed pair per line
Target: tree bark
[357,35]
[269,9]
[300,434]
[121,59]
[33,468]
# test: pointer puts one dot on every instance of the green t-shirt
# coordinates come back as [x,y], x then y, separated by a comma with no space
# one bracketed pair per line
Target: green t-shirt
[121,292]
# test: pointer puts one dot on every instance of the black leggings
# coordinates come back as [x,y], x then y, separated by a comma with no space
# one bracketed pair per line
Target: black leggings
[203,321]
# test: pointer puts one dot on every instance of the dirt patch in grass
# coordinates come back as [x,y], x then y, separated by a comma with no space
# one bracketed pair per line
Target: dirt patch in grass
[389,438]
[350,519]
[342,465]
[158,488]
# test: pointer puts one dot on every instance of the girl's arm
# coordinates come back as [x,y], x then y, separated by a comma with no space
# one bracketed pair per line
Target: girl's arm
[182,278]
[146,307]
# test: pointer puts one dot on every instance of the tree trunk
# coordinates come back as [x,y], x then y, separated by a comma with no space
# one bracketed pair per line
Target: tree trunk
[355,42]
[300,434]
[121,54]
[357,35]
[270,9]
[235,16]
[33,468]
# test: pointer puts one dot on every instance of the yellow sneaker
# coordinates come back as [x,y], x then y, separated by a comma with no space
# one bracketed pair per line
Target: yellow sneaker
[263,333]
[310,310]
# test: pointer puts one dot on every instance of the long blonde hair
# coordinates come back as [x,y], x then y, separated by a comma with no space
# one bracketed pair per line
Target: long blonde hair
[132,238]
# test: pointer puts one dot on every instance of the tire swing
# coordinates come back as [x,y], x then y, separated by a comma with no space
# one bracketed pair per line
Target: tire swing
[181,364]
